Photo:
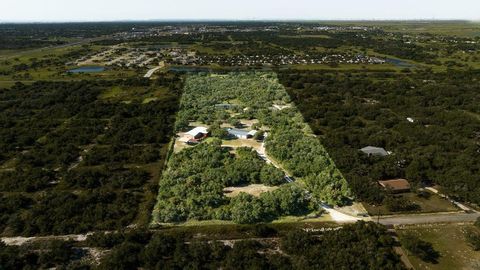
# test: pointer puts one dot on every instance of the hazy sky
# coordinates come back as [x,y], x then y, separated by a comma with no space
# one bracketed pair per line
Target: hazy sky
[106,10]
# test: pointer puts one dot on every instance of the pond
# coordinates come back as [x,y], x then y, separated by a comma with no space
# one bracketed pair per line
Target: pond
[92,69]
[189,69]
[399,63]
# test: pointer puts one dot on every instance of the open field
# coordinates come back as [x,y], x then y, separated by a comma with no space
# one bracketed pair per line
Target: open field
[432,204]
[449,241]
[236,143]
[447,28]
[51,64]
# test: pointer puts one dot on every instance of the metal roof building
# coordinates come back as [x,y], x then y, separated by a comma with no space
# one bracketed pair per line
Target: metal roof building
[241,134]
[374,151]
[196,131]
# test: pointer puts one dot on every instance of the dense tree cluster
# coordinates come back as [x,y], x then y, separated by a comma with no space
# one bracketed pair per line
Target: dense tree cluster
[68,155]
[49,254]
[192,187]
[24,36]
[356,246]
[64,212]
[306,158]
[439,144]
[290,141]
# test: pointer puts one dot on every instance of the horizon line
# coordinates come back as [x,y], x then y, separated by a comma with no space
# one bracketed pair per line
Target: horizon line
[242,20]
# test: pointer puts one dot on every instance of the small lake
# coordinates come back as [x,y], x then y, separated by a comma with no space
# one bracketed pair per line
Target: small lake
[399,63]
[189,69]
[87,70]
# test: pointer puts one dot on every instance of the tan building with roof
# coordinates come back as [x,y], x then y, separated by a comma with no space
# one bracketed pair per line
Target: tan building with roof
[395,185]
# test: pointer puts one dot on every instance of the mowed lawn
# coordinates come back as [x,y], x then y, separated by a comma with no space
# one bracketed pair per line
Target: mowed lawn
[432,204]
[449,241]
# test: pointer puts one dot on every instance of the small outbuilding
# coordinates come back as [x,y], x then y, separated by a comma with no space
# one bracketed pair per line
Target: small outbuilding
[395,185]
[374,151]
[195,135]
[198,132]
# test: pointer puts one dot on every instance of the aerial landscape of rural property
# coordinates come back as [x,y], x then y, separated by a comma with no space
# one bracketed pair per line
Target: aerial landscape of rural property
[239,143]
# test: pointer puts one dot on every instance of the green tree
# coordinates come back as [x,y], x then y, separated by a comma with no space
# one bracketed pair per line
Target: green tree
[247,209]
[477,223]
[271,176]
[419,248]
[125,256]
[259,135]
[217,131]
[296,242]
[235,122]
[473,238]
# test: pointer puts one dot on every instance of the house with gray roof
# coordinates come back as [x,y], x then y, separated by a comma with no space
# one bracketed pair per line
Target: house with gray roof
[241,134]
[225,106]
[374,151]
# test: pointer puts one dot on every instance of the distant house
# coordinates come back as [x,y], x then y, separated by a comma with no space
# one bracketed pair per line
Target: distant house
[225,106]
[241,134]
[374,151]
[281,107]
[195,135]
[395,185]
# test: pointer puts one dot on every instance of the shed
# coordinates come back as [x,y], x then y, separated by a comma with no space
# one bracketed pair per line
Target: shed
[197,134]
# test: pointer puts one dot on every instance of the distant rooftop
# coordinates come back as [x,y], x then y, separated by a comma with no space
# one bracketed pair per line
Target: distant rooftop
[395,185]
[225,106]
[241,132]
[375,151]
[195,131]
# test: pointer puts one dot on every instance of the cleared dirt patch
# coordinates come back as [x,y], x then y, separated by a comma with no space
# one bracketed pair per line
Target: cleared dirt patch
[235,143]
[253,189]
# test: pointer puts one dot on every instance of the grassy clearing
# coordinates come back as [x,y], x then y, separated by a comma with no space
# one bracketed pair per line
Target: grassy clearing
[216,230]
[461,29]
[431,205]
[449,241]
[8,84]
[346,67]
[449,28]
[58,71]
[304,36]
[235,143]
[143,94]
[308,218]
